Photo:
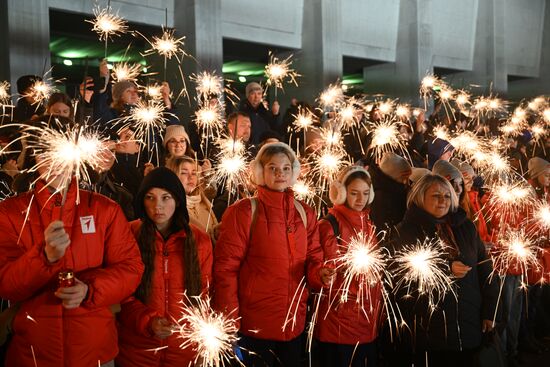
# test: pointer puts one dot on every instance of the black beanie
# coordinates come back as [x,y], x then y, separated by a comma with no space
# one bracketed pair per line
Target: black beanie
[161,178]
[25,82]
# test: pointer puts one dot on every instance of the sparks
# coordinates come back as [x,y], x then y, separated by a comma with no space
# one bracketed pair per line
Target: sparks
[403,111]
[107,24]
[207,85]
[304,190]
[332,97]
[364,262]
[462,99]
[153,91]
[515,251]
[423,269]
[40,91]
[167,45]
[507,201]
[279,70]
[209,120]
[211,334]
[304,119]
[126,71]
[4,92]
[386,107]
[386,138]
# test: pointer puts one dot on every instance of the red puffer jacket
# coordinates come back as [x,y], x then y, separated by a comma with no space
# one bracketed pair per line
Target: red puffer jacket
[350,322]
[136,339]
[103,254]
[261,278]
[480,222]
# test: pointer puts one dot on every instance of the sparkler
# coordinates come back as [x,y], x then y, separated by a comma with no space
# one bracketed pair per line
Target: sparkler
[279,70]
[232,170]
[4,92]
[207,85]
[327,162]
[304,190]
[210,120]
[423,269]
[403,111]
[167,46]
[304,119]
[332,97]
[153,91]
[515,251]
[363,262]
[107,24]
[462,99]
[211,334]
[386,138]
[507,202]
[546,115]
[126,71]
[63,151]
[386,107]
[40,91]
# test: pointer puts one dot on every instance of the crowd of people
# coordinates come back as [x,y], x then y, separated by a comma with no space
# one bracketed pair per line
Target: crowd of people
[95,271]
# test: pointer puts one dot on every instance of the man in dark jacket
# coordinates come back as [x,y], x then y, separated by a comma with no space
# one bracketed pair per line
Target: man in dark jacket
[261,119]
[391,184]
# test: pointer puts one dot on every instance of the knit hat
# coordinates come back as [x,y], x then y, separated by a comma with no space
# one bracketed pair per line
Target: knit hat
[172,131]
[418,173]
[436,148]
[537,166]
[25,82]
[394,166]
[161,178]
[252,87]
[119,88]
[337,191]
[447,170]
[464,168]
[258,170]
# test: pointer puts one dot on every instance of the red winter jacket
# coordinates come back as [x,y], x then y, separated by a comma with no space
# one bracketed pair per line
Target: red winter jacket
[103,254]
[350,322]
[259,271]
[136,339]
[480,222]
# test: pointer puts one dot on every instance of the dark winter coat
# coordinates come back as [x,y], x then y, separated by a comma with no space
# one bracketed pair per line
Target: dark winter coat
[454,325]
[261,120]
[390,199]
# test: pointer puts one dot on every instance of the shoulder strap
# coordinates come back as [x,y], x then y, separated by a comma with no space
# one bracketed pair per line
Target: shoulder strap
[253,215]
[299,207]
[335,227]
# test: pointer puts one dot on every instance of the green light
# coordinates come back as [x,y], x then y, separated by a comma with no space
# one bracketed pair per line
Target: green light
[242,79]
[67,62]
[71,54]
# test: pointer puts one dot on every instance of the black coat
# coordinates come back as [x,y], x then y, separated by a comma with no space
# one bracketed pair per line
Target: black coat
[454,325]
[390,199]
[261,120]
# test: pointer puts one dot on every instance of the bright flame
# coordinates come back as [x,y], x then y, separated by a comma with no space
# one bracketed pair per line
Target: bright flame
[107,24]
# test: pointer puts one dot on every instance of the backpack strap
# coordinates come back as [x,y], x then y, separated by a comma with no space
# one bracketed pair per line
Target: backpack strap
[254,215]
[334,223]
[300,208]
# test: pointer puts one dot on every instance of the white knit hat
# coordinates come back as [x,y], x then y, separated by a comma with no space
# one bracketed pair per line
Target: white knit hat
[337,192]
[174,130]
[394,166]
[258,170]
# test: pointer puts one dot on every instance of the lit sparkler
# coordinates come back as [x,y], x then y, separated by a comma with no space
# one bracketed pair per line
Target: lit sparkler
[304,190]
[403,111]
[386,138]
[422,269]
[153,91]
[507,202]
[40,91]
[332,97]
[462,99]
[211,334]
[514,251]
[279,70]
[167,45]
[232,170]
[4,92]
[208,84]
[386,107]
[126,71]
[363,262]
[304,119]
[107,24]
[210,120]
[546,115]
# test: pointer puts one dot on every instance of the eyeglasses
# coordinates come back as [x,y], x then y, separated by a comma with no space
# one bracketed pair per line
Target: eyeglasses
[177,142]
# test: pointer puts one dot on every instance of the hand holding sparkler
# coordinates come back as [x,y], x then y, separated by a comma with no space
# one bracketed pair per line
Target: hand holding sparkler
[73,296]
[161,327]
[327,275]
[57,240]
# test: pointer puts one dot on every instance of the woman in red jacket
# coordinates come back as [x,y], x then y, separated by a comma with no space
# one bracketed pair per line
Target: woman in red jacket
[178,260]
[45,233]
[347,330]
[267,251]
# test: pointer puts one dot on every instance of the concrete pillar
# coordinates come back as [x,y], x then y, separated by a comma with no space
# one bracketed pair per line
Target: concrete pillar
[414,55]
[320,60]
[532,87]
[489,64]
[200,22]
[24,44]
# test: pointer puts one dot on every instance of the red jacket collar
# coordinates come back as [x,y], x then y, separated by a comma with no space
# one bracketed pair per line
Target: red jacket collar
[357,219]
[47,200]
[275,199]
